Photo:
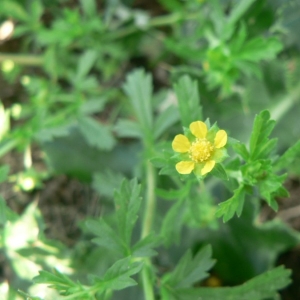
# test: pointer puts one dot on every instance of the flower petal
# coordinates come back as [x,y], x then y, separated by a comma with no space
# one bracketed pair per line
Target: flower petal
[208,167]
[198,129]
[185,167]
[220,139]
[181,143]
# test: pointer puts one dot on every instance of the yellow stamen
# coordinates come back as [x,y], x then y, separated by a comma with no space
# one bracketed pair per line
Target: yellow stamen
[200,150]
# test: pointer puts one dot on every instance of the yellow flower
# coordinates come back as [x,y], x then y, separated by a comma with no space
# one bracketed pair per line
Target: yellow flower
[201,150]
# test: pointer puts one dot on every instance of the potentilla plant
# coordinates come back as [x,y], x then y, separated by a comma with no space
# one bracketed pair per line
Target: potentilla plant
[147,255]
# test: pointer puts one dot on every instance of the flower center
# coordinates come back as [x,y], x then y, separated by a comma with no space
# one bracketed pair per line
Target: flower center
[200,150]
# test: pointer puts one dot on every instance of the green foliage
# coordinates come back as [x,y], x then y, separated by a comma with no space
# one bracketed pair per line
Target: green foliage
[233,205]
[116,278]
[178,284]
[190,270]
[261,287]
[258,169]
[61,282]
[127,203]
[188,100]
[139,90]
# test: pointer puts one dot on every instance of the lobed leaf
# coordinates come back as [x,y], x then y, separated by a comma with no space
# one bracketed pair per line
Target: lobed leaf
[105,182]
[241,150]
[172,223]
[144,247]
[164,120]
[262,287]
[118,276]
[127,200]
[128,129]
[190,270]
[232,206]
[288,157]
[238,10]
[58,281]
[95,133]
[107,237]
[138,87]
[188,100]
[262,128]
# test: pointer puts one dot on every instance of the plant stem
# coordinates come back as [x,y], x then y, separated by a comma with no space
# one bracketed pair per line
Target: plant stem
[279,110]
[27,157]
[154,22]
[147,224]
[22,59]
[150,200]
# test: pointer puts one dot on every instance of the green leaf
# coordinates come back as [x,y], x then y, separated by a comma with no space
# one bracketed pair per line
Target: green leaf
[172,223]
[288,157]
[89,7]
[262,128]
[107,237]
[58,281]
[144,247]
[188,100]
[172,5]
[190,270]
[93,105]
[174,194]
[241,150]
[219,172]
[269,186]
[239,9]
[105,182]
[267,148]
[2,211]
[127,200]
[164,120]
[138,87]
[228,208]
[4,170]
[14,10]
[127,203]
[262,287]
[252,247]
[128,129]
[260,48]
[117,277]
[49,134]
[185,51]
[36,10]
[96,134]
[85,63]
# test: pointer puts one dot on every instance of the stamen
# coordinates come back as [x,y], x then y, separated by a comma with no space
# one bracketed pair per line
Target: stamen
[200,150]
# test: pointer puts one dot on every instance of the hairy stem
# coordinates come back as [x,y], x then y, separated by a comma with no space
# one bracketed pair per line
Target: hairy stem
[146,229]
[150,201]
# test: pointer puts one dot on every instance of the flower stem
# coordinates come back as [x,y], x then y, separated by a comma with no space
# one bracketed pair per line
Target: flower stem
[146,229]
